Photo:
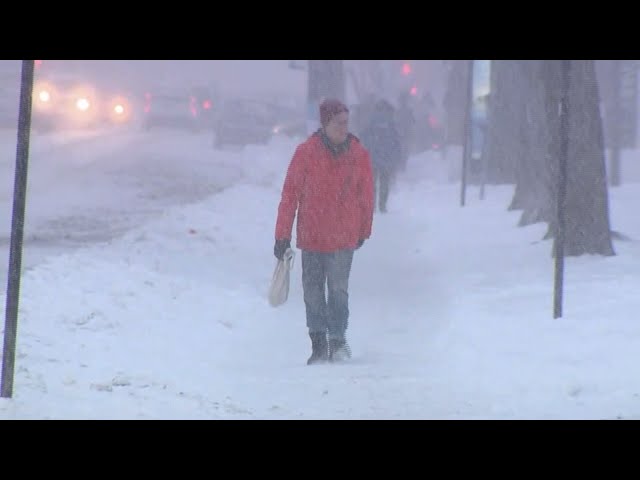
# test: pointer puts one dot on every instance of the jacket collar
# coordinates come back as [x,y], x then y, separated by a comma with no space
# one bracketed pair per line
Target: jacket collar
[335,150]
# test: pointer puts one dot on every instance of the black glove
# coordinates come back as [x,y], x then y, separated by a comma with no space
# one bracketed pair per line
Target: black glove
[280,247]
[360,243]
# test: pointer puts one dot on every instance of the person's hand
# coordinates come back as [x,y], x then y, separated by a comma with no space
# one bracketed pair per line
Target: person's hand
[281,247]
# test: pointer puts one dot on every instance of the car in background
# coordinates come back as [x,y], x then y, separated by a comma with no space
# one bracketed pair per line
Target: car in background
[68,102]
[190,109]
[290,122]
[204,101]
[291,128]
[242,121]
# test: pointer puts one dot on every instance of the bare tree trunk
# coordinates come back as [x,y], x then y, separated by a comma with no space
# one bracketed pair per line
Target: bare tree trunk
[370,77]
[521,143]
[505,115]
[455,102]
[533,192]
[355,81]
[587,204]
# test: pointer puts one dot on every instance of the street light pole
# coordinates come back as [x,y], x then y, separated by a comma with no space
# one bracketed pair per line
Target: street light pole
[17,228]
[559,237]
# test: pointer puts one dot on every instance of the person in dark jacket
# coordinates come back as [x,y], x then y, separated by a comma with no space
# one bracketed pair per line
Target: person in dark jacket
[384,143]
[362,115]
[406,123]
[330,185]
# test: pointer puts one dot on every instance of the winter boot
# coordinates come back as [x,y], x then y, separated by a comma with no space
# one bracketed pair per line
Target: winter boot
[339,350]
[319,348]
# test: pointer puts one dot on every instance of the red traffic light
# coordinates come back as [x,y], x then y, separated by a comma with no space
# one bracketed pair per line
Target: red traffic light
[406,68]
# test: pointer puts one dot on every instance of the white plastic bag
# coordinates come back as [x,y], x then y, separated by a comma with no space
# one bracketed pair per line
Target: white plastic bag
[279,288]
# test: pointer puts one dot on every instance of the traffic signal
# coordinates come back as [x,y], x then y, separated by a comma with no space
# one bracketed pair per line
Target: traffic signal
[406,69]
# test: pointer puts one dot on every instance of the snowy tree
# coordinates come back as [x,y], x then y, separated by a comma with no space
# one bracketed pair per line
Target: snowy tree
[587,198]
[506,115]
[523,147]
[534,187]
[455,101]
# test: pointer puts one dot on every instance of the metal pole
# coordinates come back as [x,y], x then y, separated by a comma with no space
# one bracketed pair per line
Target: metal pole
[466,148]
[17,228]
[559,237]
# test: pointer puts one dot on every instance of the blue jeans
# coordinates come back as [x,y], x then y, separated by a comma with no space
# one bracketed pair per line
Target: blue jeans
[327,313]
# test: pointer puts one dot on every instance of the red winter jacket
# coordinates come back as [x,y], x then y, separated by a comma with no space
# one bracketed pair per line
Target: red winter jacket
[333,196]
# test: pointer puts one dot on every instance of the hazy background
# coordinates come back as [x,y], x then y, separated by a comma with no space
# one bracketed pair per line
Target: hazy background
[249,78]
[234,77]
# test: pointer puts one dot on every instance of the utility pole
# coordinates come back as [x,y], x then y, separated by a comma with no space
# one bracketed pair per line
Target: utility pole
[561,189]
[17,228]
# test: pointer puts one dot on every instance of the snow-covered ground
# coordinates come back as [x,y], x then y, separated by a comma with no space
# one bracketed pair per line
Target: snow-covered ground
[167,317]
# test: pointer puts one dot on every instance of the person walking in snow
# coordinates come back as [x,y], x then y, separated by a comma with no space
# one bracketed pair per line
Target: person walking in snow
[329,183]
[382,140]
[406,123]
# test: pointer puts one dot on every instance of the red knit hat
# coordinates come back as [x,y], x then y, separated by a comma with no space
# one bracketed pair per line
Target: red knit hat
[329,109]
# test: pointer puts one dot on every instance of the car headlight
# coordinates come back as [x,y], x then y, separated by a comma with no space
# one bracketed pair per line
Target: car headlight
[119,109]
[83,104]
[44,96]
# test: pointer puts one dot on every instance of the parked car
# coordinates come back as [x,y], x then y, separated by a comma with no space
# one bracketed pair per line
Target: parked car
[291,128]
[290,122]
[203,99]
[189,109]
[243,122]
